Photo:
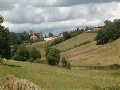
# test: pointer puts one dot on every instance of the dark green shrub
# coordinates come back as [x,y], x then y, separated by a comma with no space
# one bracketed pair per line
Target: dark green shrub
[34,54]
[53,56]
[68,65]
[64,62]
[21,54]
[114,66]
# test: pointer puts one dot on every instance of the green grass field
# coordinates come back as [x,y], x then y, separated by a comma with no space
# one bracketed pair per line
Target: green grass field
[71,43]
[56,78]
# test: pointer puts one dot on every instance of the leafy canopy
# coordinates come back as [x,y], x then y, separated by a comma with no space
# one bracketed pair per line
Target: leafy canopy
[4,41]
[109,33]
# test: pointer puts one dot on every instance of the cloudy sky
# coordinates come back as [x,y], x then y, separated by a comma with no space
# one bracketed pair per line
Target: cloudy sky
[57,15]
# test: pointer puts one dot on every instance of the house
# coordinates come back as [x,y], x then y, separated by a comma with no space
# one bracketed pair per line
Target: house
[40,35]
[61,35]
[33,36]
[50,38]
[96,28]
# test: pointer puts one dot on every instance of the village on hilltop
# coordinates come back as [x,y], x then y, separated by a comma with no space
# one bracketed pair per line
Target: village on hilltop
[34,35]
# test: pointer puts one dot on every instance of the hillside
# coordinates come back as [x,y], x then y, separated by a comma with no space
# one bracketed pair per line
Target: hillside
[92,54]
[77,40]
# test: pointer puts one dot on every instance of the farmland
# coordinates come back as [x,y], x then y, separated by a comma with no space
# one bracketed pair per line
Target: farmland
[57,78]
[77,40]
[92,54]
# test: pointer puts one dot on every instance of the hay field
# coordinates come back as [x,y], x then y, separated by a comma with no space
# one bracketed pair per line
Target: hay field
[92,54]
[56,78]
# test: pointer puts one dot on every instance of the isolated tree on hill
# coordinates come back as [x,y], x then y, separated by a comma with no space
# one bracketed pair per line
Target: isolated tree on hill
[53,56]
[4,41]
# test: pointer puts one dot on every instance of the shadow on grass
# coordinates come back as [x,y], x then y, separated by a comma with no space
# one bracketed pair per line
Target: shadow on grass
[11,65]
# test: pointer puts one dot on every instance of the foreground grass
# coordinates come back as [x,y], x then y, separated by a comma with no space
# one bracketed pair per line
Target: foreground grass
[56,78]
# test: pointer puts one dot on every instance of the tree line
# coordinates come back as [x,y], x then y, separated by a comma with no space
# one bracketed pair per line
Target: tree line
[67,35]
[110,32]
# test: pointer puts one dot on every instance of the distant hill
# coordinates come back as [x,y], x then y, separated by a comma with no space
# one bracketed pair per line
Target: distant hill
[75,41]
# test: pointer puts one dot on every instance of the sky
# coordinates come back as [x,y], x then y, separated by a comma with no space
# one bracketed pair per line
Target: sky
[57,15]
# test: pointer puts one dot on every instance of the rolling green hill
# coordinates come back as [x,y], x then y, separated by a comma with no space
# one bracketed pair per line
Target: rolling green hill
[58,78]
[92,54]
[77,40]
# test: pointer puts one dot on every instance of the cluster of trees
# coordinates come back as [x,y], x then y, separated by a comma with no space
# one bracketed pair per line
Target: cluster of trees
[53,58]
[50,34]
[10,48]
[109,33]
[4,41]
[22,38]
[23,53]
[67,35]
[89,28]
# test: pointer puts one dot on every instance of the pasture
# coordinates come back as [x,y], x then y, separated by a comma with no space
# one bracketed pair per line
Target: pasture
[57,78]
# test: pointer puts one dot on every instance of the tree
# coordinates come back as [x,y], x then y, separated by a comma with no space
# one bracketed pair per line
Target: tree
[34,54]
[15,38]
[53,56]
[66,35]
[22,53]
[50,34]
[4,41]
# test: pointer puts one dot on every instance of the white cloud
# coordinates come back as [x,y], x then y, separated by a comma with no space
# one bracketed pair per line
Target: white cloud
[57,15]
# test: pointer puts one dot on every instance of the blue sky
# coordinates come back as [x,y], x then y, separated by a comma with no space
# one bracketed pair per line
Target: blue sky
[57,15]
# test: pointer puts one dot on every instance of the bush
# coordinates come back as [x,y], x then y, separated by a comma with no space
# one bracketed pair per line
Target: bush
[53,56]
[68,65]
[114,66]
[21,54]
[64,62]
[34,54]
[57,41]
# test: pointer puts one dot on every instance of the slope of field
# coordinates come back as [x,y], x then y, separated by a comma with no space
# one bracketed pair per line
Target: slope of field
[55,78]
[92,54]
[77,40]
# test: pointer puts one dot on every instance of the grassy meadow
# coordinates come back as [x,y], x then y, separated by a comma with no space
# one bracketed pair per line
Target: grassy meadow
[77,40]
[92,54]
[57,78]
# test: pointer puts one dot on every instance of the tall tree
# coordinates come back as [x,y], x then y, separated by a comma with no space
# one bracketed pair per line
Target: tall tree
[4,41]
[53,56]
[50,34]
